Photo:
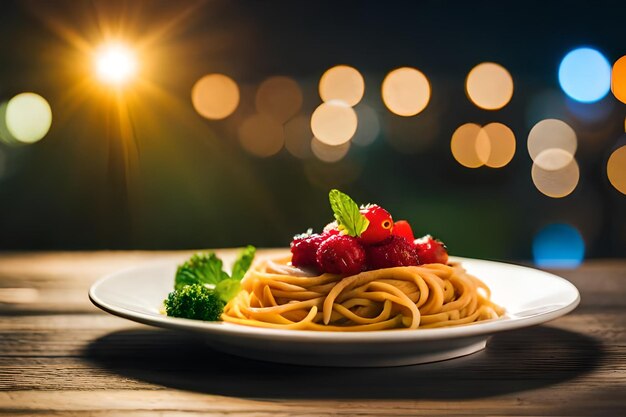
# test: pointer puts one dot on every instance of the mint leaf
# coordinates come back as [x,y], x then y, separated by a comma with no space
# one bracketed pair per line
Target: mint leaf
[243,262]
[349,218]
[227,289]
[201,268]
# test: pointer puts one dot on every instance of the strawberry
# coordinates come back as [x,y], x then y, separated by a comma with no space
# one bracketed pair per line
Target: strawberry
[431,251]
[380,224]
[395,251]
[403,228]
[341,254]
[303,249]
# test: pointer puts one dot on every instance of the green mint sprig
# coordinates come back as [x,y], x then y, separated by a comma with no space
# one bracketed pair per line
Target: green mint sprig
[349,218]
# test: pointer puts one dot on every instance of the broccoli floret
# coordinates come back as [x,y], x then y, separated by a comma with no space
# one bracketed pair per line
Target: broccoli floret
[194,302]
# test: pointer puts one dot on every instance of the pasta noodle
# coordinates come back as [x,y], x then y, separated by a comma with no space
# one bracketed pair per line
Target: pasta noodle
[276,295]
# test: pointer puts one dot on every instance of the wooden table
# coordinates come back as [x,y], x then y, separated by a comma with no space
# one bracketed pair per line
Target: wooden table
[61,356]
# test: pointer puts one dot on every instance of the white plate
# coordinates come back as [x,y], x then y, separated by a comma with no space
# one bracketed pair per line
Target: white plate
[529,296]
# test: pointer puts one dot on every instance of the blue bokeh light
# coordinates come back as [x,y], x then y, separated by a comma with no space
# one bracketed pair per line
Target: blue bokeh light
[585,75]
[558,245]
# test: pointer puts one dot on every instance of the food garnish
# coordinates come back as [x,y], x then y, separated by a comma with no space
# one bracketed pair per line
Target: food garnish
[395,251]
[202,288]
[194,302]
[363,239]
[380,224]
[403,228]
[431,250]
[341,254]
[349,218]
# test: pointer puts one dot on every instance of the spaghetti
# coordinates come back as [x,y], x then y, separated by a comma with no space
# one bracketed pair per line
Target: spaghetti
[277,295]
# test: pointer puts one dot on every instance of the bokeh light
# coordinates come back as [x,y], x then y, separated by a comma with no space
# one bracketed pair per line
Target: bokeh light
[298,136]
[368,128]
[553,159]
[342,83]
[558,245]
[215,96]
[469,147]
[501,141]
[551,134]
[492,145]
[27,118]
[328,153]
[556,183]
[334,122]
[618,79]
[261,135]
[489,86]
[406,91]
[585,75]
[115,63]
[616,169]
[279,97]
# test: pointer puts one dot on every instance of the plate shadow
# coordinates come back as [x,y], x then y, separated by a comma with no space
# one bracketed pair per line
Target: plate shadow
[513,361]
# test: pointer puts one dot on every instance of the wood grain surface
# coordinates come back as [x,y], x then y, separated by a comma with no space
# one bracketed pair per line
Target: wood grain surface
[61,356]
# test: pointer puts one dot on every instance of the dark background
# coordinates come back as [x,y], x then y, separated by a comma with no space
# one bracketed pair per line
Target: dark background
[191,185]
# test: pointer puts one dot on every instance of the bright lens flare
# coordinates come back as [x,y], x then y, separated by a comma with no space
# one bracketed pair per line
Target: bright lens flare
[116,64]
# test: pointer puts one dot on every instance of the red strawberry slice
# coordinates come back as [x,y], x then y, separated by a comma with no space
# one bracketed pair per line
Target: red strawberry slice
[430,250]
[380,226]
[403,228]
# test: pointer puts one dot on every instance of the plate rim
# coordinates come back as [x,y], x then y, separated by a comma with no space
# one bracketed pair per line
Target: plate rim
[475,329]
